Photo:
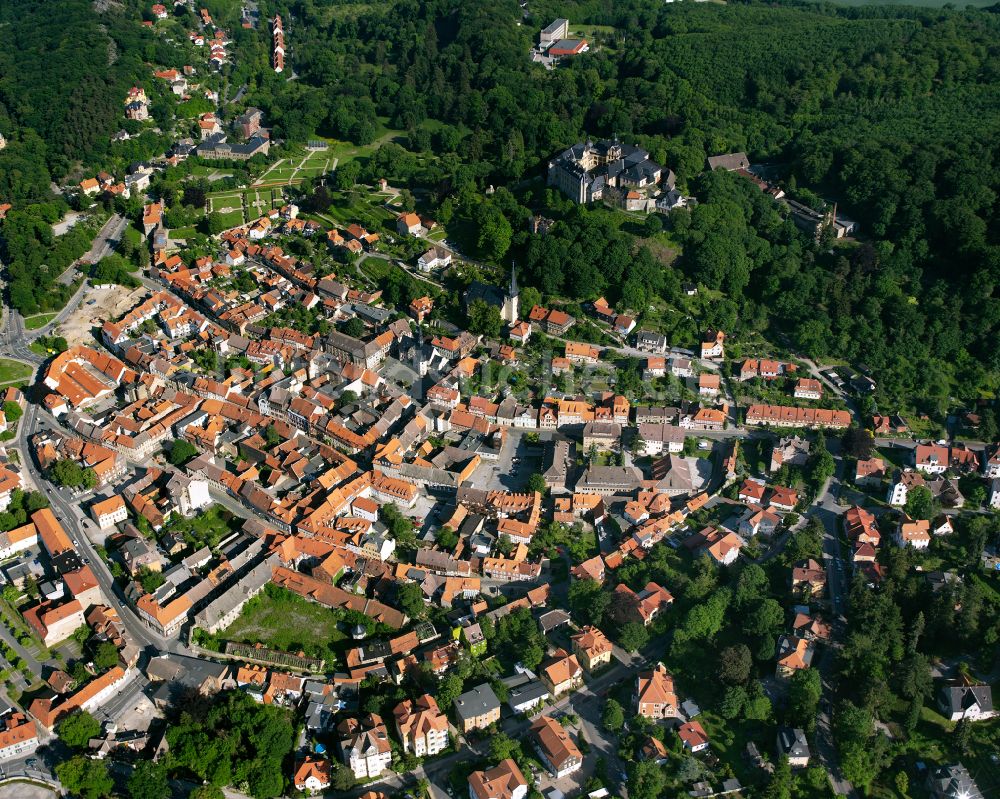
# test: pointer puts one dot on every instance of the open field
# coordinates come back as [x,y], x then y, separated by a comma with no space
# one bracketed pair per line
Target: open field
[256,199]
[589,31]
[233,218]
[297,168]
[183,232]
[344,151]
[364,210]
[225,202]
[205,171]
[281,620]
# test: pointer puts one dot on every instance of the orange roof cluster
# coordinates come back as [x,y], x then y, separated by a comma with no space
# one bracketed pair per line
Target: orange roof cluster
[860,526]
[331,596]
[785,416]
[71,375]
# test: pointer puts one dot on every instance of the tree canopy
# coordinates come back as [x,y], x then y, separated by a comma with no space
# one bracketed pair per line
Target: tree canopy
[234,740]
[77,729]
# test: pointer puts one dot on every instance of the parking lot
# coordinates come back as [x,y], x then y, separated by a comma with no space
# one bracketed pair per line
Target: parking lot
[517,462]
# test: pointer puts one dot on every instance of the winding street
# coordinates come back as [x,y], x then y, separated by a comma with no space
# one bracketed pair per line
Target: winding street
[70,514]
[830,513]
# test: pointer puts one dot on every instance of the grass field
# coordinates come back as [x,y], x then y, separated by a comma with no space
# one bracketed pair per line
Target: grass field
[224,199]
[233,218]
[183,232]
[11,371]
[281,620]
[369,213]
[38,320]
[345,151]
[133,236]
[589,31]
[204,171]
[257,201]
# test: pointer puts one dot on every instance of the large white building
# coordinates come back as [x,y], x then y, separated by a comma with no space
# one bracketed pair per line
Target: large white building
[18,736]
[189,495]
[421,726]
[109,512]
[556,30]
[365,746]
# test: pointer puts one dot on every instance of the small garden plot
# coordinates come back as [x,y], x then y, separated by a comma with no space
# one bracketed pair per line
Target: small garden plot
[206,529]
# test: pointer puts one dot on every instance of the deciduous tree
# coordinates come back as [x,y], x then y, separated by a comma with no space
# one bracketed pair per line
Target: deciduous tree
[76,729]
[613,717]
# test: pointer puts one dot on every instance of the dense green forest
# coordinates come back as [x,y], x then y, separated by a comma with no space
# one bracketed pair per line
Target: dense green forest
[63,79]
[889,112]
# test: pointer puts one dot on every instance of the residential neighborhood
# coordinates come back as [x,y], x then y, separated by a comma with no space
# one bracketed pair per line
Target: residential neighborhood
[308,489]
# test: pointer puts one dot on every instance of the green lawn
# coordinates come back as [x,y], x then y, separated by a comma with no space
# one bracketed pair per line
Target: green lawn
[227,195]
[133,236]
[298,165]
[38,320]
[589,31]
[281,620]
[311,170]
[345,151]
[216,202]
[14,370]
[183,232]
[204,171]
[283,172]
[232,218]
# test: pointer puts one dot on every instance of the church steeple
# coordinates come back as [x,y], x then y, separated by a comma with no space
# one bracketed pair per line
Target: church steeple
[511,303]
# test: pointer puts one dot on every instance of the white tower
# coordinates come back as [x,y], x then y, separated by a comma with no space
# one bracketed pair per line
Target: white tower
[512,302]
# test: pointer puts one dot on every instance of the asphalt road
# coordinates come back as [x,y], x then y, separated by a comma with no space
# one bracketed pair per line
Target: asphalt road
[68,510]
[830,513]
[105,243]
[14,339]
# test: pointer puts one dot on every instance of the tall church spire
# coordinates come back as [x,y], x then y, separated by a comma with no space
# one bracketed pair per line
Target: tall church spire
[511,303]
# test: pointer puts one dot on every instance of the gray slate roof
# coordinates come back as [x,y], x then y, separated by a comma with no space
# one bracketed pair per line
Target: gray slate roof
[477,702]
